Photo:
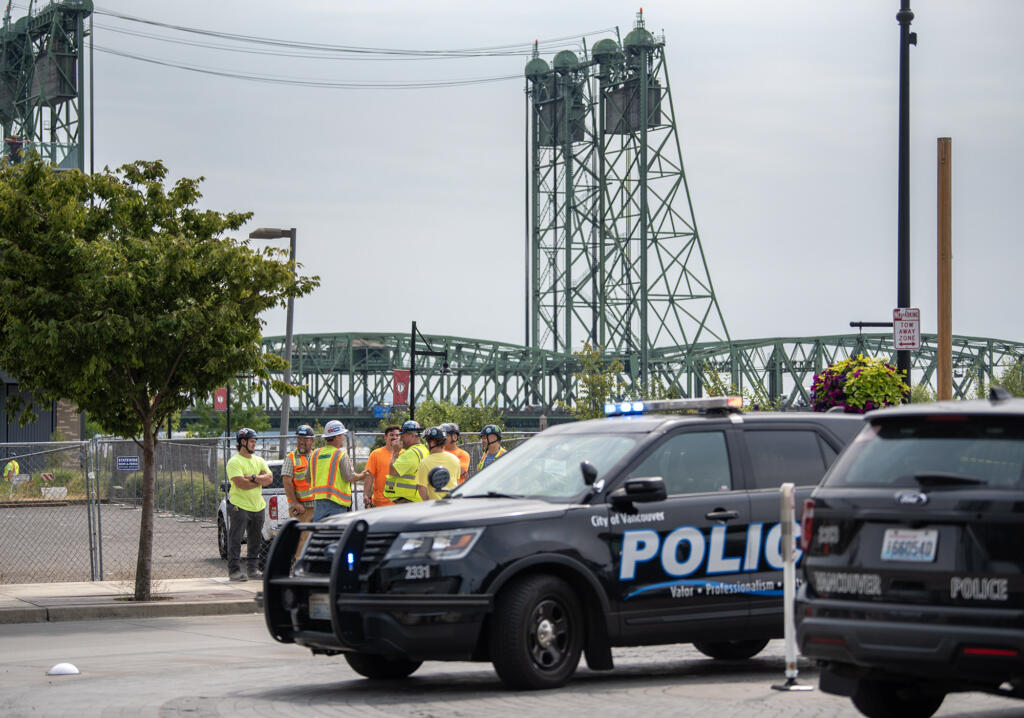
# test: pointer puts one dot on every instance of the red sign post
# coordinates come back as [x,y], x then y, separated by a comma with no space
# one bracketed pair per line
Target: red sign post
[220,399]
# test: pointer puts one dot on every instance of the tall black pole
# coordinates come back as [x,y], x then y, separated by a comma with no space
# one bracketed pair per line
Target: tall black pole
[904,17]
[412,374]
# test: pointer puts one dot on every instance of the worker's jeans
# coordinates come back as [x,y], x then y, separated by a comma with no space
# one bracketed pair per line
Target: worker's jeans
[251,524]
[325,507]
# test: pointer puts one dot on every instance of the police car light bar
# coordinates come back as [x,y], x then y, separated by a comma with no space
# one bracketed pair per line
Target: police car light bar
[714,403]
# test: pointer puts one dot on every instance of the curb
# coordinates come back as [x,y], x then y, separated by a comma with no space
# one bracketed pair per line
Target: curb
[127,609]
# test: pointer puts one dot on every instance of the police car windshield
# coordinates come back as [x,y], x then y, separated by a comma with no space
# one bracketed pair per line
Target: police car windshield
[548,467]
[941,451]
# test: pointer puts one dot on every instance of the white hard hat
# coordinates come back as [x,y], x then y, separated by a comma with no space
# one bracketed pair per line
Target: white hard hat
[334,428]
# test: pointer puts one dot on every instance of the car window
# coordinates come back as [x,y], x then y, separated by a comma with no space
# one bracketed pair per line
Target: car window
[985,450]
[785,456]
[828,452]
[691,463]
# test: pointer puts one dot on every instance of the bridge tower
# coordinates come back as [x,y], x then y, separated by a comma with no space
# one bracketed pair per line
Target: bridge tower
[616,258]
[42,82]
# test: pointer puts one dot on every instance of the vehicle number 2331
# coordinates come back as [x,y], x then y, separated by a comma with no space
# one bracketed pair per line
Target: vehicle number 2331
[417,571]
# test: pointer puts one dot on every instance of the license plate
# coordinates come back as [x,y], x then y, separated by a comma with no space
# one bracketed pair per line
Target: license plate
[910,545]
[319,607]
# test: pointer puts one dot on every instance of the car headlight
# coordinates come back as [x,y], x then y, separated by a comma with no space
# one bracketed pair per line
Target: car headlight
[450,544]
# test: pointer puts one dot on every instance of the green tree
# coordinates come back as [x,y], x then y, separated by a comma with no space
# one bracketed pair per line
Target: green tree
[119,294]
[597,381]
[469,417]
[1013,379]
[244,412]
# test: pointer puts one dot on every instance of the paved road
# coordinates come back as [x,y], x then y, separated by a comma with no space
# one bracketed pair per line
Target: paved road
[228,666]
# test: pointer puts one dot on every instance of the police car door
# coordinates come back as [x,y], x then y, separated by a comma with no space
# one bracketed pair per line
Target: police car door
[679,559]
[780,453]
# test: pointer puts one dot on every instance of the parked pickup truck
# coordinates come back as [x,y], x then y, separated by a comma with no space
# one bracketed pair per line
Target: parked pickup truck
[275,513]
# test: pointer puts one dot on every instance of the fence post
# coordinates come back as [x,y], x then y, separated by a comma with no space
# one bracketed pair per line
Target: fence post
[788,550]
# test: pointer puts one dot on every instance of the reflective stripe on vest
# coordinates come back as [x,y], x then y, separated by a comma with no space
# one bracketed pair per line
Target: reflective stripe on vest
[300,477]
[501,452]
[328,481]
[405,487]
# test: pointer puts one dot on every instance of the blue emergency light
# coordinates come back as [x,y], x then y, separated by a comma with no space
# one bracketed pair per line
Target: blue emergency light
[713,403]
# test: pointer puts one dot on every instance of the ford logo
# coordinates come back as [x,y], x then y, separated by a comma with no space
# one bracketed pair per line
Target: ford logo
[911,498]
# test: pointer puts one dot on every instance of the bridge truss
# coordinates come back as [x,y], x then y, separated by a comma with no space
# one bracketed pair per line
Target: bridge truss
[346,375]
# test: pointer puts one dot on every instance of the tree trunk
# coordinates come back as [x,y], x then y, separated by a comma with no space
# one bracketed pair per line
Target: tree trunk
[144,567]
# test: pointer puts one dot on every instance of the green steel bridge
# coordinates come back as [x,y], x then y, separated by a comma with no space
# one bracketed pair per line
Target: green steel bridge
[346,375]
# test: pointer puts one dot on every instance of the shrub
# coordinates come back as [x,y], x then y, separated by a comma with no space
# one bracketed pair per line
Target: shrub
[858,384]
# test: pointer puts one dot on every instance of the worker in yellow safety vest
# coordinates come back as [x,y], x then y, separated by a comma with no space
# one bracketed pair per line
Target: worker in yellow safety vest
[295,477]
[490,437]
[400,485]
[332,474]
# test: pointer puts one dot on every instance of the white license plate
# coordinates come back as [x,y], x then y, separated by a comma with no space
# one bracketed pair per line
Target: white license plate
[910,544]
[319,607]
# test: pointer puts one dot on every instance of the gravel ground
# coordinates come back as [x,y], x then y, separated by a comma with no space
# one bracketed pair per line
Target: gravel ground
[51,543]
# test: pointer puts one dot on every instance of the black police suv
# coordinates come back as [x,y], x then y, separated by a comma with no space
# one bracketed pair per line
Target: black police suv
[625,531]
[913,573]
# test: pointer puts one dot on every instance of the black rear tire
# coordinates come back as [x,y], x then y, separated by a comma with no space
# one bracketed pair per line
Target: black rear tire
[222,537]
[536,633]
[731,650]
[885,699]
[381,668]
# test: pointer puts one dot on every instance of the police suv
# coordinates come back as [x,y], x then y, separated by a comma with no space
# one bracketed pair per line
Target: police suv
[915,564]
[633,530]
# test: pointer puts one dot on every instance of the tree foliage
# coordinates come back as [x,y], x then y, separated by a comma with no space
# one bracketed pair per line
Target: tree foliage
[119,294]
[470,418]
[1012,379]
[597,381]
[858,384]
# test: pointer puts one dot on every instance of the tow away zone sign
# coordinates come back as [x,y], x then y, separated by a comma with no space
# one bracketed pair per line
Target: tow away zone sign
[906,328]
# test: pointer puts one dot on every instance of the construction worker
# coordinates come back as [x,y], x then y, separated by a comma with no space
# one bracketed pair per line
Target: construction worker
[332,474]
[248,475]
[377,465]
[451,430]
[400,485]
[12,469]
[435,437]
[490,437]
[295,477]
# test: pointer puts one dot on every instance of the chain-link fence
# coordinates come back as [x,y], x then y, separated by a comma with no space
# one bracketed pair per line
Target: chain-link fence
[71,511]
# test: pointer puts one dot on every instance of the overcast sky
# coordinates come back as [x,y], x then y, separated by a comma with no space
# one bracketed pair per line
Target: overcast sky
[409,203]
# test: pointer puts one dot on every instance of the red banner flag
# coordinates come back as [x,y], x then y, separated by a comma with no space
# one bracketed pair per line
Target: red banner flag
[400,387]
[220,399]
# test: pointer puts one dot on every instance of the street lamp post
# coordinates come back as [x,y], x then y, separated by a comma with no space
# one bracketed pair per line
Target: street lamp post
[413,353]
[271,233]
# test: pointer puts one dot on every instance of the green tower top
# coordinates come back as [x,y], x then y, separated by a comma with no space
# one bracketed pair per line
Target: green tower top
[565,60]
[604,50]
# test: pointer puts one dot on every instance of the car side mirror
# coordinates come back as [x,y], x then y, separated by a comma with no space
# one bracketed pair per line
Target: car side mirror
[639,491]
[438,478]
[589,472]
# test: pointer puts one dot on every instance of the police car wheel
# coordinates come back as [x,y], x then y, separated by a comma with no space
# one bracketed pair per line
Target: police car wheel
[885,699]
[537,633]
[222,538]
[730,650]
[381,668]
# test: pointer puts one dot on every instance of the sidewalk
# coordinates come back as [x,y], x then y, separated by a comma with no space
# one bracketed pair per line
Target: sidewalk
[39,602]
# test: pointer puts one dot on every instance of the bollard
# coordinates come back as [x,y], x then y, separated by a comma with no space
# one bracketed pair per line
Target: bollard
[788,550]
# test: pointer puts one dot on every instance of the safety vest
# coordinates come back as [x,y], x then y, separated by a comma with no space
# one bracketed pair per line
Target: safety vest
[11,470]
[300,476]
[501,452]
[328,481]
[404,486]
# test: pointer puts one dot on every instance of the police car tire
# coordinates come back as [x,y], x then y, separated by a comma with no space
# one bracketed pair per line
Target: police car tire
[731,650]
[536,633]
[381,668]
[887,699]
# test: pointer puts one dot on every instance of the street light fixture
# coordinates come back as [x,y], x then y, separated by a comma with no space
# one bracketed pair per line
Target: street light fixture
[413,353]
[273,233]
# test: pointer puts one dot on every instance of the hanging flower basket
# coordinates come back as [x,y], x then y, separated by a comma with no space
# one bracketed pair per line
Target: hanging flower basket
[858,384]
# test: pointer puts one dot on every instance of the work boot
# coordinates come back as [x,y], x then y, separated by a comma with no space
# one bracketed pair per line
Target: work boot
[237,576]
[255,574]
